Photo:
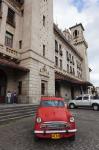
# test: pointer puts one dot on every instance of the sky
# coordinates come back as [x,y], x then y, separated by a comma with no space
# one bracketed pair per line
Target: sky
[69,12]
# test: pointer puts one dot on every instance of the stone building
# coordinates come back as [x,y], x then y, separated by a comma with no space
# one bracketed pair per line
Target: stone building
[71,64]
[28,53]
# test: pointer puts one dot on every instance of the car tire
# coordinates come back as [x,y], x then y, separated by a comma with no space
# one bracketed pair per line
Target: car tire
[71,106]
[95,107]
[72,138]
[36,139]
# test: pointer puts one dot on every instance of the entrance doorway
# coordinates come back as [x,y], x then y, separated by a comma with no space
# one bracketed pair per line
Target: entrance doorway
[3,83]
[57,89]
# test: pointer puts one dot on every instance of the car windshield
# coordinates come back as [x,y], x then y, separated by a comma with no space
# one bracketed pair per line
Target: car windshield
[52,103]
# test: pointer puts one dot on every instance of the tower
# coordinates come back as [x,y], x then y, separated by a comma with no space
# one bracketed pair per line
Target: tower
[38,26]
[81,45]
[38,46]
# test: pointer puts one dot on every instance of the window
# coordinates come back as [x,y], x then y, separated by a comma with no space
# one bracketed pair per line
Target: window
[44,50]
[73,71]
[56,46]
[76,33]
[56,61]
[22,12]
[70,69]
[11,17]
[20,88]
[60,49]
[79,98]
[85,98]
[61,64]
[52,103]
[20,44]
[67,55]
[67,68]
[9,39]
[73,60]
[43,20]
[70,57]
[78,74]
[43,88]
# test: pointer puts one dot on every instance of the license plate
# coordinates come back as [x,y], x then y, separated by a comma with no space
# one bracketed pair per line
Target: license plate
[55,136]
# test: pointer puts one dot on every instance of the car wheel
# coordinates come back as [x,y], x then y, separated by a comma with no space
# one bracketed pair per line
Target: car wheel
[71,106]
[95,107]
[36,139]
[72,138]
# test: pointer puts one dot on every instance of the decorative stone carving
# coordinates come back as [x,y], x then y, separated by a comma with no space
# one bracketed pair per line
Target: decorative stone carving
[44,71]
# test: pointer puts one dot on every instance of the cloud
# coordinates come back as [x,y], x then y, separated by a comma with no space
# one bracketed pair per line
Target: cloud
[79,4]
[67,13]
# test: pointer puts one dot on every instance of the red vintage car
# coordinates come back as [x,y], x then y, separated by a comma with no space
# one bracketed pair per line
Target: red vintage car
[53,120]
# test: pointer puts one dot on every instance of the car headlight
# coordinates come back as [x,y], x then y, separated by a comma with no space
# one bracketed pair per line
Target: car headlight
[72,119]
[38,119]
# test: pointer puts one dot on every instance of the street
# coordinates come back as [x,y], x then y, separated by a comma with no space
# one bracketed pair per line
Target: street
[18,134]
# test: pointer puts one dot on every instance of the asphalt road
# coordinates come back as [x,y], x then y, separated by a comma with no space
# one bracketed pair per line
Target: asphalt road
[18,134]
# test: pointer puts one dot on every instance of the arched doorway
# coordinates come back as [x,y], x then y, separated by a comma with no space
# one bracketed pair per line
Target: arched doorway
[3,83]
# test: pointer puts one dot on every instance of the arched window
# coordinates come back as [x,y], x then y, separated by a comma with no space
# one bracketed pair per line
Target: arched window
[75,33]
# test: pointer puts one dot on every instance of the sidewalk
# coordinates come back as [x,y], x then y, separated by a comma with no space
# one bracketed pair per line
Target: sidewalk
[14,105]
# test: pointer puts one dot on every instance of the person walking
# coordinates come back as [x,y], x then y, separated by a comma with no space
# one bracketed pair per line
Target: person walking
[8,97]
[13,97]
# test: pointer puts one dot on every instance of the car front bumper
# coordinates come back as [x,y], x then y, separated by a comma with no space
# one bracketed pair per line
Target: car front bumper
[48,134]
[55,131]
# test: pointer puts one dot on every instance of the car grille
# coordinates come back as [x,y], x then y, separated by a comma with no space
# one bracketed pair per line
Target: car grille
[54,125]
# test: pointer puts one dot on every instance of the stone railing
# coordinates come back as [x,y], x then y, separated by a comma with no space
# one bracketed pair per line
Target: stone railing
[68,74]
[6,51]
[15,3]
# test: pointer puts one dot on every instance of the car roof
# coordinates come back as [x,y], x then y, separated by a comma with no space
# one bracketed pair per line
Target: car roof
[52,98]
[83,95]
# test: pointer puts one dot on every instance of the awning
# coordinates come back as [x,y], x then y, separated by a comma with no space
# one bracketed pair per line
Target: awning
[61,77]
[13,65]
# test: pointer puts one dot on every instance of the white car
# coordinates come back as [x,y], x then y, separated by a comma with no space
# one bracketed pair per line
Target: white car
[85,101]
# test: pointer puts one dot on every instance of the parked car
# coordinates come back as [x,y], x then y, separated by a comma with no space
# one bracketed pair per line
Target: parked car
[85,101]
[53,120]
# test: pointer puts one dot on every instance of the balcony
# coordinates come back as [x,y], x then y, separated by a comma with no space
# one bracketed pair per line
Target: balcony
[67,76]
[9,53]
[16,3]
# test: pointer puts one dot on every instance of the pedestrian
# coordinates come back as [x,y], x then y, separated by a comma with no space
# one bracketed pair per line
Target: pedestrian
[13,97]
[8,97]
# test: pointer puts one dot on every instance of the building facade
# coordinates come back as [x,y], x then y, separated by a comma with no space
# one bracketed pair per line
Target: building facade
[31,48]
[71,64]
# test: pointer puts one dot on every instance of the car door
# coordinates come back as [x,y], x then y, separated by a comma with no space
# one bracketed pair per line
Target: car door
[78,101]
[86,101]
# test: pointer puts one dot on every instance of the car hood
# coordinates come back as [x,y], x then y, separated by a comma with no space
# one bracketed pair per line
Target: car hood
[53,114]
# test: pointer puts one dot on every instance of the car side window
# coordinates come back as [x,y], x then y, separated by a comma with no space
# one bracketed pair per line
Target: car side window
[85,98]
[91,97]
[79,98]
[95,97]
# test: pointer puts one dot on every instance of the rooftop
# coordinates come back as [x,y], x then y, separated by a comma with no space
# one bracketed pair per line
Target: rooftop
[66,41]
[80,24]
